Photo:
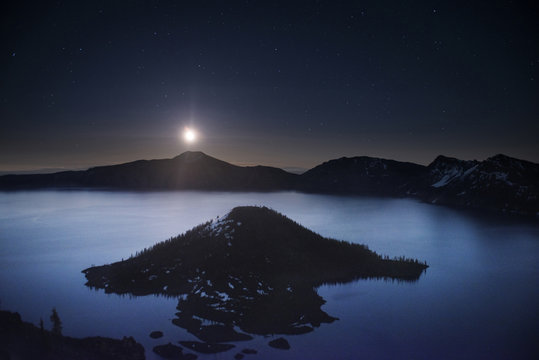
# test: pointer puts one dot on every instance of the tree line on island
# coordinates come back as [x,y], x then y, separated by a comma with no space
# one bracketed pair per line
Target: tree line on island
[254,270]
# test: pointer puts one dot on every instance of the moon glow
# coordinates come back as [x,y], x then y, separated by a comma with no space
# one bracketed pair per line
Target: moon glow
[189,135]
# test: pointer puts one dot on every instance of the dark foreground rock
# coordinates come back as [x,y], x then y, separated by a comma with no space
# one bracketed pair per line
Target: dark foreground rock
[280,343]
[22,340]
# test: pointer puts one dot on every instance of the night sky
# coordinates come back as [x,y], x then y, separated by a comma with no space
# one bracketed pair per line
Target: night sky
[288,84]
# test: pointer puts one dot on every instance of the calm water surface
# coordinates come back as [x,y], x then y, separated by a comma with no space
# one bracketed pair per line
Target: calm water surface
[478,299]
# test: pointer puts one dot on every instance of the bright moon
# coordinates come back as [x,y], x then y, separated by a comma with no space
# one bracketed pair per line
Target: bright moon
[189,135]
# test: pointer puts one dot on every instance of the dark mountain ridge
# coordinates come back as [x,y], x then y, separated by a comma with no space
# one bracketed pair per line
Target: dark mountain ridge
[499,183]
[188,171]
[362,175]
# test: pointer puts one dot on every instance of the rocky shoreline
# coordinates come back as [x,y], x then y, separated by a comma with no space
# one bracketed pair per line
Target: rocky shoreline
[23,340]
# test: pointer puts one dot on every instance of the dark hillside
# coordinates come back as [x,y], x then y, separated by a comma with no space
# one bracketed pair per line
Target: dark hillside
[363,175]
[497,183]
[22,340]
[188,171]
[253,268]
[249,240]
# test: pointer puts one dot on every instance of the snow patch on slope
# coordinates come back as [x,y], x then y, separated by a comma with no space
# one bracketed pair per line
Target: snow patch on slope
[448,177]
[221,227]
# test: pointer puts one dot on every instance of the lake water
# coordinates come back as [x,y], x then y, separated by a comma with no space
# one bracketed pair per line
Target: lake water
[478,299]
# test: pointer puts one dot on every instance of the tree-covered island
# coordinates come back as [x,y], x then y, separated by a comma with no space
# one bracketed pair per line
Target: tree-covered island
[253,271]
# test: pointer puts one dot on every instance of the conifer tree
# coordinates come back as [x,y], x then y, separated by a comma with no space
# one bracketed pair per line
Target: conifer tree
[56,323]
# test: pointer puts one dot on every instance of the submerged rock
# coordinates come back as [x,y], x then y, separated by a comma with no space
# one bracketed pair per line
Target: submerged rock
[206,348]
[280,343]
[220,333]
[156,334]
[169,351]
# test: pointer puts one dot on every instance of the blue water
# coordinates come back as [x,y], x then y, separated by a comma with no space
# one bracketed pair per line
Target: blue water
[478,299]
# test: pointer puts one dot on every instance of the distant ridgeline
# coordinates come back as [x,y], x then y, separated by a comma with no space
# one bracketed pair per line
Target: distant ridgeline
[499,183]
[253,269]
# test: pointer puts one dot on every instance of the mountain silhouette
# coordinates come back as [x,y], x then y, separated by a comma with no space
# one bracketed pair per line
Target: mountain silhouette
[498,183]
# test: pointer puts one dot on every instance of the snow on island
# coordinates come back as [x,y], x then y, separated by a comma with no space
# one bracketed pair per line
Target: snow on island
[252,271]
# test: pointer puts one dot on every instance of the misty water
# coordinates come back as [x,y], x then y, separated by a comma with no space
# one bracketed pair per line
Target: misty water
[478,299]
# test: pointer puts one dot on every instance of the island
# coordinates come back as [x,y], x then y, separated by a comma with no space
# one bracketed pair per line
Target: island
[252,271]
